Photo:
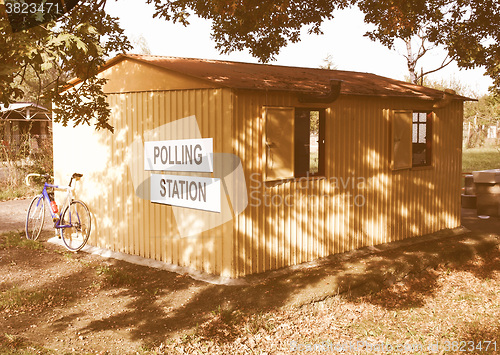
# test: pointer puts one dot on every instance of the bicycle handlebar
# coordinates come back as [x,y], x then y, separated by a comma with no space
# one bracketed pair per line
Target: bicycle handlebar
[75,176]
[46,176]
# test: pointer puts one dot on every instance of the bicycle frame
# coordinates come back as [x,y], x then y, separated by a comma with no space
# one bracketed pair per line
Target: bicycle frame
[67,201]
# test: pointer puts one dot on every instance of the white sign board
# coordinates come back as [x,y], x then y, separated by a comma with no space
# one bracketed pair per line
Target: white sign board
[186,191]
[179,155]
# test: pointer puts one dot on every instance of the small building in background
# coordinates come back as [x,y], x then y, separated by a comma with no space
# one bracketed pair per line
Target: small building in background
[236,168]
[24,125]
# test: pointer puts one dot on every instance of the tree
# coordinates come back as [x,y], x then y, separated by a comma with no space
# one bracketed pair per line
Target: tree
[478,118]
[78,43]
[478,115]
[413,56]
[41,58]
[468,30]
[140,45]
[328,63]
[262,26]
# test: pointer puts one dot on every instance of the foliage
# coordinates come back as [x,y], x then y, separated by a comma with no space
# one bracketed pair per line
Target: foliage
[140,44]
[328,63]
[262,26]
[478,117]
[452,83]
[46,55]
[485,111]
[37,62]
[32,153]
[16,161]
[17,240]
[468,30]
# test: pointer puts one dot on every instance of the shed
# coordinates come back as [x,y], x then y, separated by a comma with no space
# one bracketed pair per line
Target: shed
[293,164]
[24,119]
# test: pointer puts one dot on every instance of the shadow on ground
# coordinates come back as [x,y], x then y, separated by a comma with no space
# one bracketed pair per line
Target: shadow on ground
[91,298]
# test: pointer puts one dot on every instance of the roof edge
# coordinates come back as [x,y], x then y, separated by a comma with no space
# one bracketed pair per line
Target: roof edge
[447,94]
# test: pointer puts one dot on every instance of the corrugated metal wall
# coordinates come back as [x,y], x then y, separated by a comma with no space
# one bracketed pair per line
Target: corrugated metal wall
[361,202]
[123,221]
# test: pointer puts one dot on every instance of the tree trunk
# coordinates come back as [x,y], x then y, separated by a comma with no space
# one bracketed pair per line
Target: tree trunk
[411,62]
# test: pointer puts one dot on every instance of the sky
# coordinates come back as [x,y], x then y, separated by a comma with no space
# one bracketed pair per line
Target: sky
[342,39]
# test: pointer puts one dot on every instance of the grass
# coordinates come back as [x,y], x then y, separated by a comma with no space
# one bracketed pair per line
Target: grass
[480,159]
[16,345]
[257,322]
[17,299]
[20,191]
[115,276]
[17,240]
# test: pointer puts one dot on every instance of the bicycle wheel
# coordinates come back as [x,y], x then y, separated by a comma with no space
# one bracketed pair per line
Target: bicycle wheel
[77,216]
[35,218]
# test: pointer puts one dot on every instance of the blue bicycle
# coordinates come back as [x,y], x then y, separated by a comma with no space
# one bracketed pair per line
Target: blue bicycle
[72,219]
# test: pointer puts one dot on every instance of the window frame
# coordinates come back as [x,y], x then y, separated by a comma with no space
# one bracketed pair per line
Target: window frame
[268,144]
[321,144]
[428,138]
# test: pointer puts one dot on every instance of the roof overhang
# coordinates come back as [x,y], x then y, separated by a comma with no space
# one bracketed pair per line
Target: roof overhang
[24,111]
[308,83]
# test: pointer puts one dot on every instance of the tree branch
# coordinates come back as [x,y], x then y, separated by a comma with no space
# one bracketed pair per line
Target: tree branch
[440,67]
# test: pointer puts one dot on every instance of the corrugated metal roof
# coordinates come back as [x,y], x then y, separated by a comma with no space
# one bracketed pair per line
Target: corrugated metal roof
[240,75]
[24,111]
[21,106]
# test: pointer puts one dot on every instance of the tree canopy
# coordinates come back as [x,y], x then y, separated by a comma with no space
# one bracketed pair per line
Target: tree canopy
[80,41]
[47,54]
[468,30]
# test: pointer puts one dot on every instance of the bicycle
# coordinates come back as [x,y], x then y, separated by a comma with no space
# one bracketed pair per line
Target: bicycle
[73,219]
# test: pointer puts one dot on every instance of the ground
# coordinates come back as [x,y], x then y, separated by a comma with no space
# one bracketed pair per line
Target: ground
[428,291]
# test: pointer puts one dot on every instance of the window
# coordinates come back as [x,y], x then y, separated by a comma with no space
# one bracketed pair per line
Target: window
[294,142]
[309,142]
[421,138]
[411,139]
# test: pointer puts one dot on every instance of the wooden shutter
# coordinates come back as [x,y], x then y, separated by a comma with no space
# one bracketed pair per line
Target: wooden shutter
[279,142]
[401,140]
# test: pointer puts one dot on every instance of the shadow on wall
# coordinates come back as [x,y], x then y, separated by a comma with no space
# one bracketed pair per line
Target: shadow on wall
[284,224]
[117,188]
[360,202]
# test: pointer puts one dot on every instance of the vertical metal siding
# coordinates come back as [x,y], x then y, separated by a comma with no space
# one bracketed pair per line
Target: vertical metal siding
[324,219]
[124,222]
[321,219]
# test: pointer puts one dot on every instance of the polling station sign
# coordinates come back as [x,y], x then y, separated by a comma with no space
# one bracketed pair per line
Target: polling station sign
[179,155]
[186,191]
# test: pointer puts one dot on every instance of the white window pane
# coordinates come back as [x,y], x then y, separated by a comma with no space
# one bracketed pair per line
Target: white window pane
[423,117]
[421,133]
[415,116]
[414,138]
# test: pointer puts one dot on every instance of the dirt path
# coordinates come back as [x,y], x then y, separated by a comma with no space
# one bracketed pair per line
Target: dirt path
[13,214]
[85,303]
